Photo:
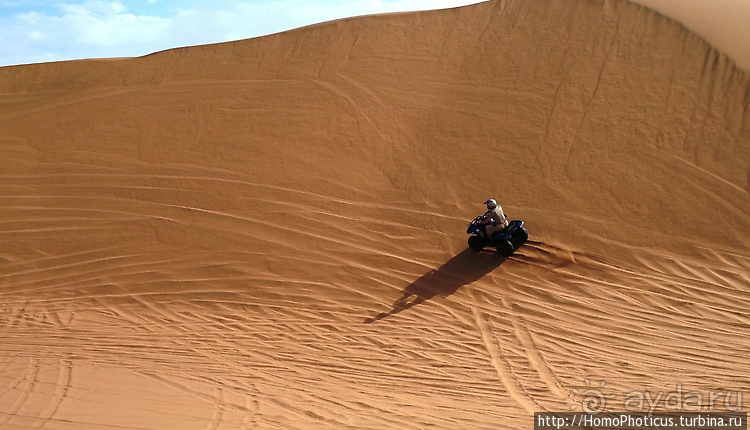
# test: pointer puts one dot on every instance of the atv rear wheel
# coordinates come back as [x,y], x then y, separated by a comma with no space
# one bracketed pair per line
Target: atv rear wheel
[504,248]
[476,243]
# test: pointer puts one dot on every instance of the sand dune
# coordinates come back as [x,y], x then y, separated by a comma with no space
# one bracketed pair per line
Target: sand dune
[270,233]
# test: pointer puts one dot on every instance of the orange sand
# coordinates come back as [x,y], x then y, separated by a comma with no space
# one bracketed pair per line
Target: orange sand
[271,233]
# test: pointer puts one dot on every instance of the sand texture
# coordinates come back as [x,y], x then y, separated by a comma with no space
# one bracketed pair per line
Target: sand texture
[270,233]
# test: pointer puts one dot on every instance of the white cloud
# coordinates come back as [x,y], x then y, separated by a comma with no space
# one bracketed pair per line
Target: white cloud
[91,29]
[93,7]
[97,28]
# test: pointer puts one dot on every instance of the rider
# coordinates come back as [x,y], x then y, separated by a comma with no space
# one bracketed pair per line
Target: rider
[494,212]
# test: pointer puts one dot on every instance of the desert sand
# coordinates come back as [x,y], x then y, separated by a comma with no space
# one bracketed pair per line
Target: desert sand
[270,233]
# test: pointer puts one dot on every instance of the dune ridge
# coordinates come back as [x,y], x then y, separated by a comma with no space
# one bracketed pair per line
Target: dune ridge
[270,233]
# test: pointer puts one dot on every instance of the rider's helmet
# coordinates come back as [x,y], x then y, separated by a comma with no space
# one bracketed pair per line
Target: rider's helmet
[491,204]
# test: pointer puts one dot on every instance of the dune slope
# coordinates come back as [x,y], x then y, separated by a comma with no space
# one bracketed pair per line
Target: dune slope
[270,233]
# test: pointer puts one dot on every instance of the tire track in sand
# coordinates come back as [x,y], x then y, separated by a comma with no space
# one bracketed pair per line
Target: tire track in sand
[534,357]
[29,383]
[63,386]
[218,415]
[502,367]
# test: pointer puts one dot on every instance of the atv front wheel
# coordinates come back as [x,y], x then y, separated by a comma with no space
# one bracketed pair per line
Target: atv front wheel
[504,248]
[476,243]
[523,235]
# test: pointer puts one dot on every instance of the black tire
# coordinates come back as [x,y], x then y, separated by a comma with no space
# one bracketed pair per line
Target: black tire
[476,243]
[523,235]
[504,248]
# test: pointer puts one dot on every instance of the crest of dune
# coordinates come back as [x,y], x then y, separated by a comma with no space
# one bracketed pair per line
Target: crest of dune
[270,233]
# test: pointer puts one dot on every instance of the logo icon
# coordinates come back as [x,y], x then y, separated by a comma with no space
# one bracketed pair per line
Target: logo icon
[593,399]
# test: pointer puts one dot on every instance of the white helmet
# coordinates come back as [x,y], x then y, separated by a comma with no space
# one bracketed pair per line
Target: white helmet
[491,203]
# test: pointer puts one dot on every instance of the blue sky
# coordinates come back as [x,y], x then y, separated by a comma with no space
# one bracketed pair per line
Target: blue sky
[33,31]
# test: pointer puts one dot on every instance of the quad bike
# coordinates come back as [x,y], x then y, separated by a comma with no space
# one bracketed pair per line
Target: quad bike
[506,241]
